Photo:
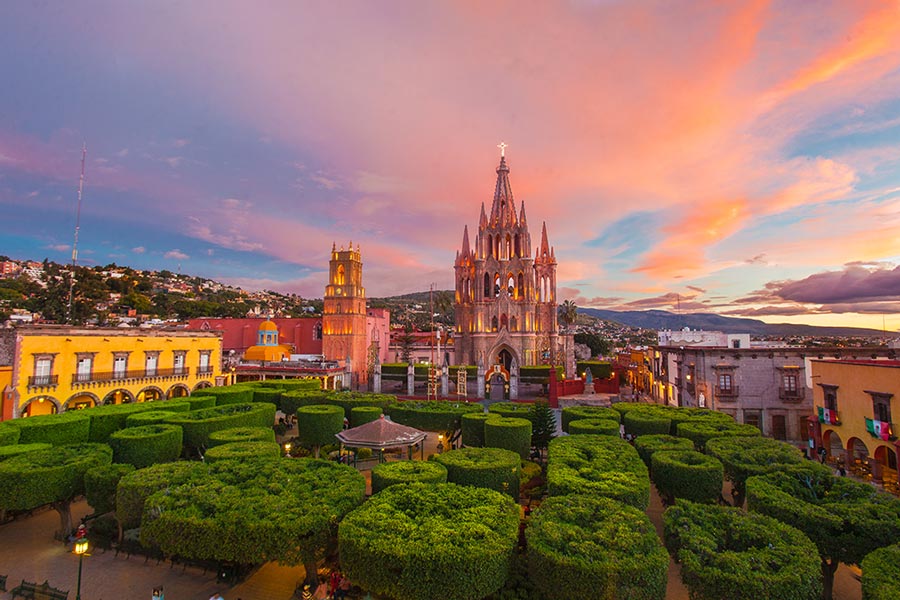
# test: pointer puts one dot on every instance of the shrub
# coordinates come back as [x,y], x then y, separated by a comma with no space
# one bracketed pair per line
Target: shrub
[241,434]
[520,410]
[407,471]
[360,415]
[198,424]
[881,574]
[100,486]
[17,449]
[641,422]
[230,394]
[701,432]
[624,408]
[600,369]
[109,418]
[178,405]
[509,433]
[745,457]
[492,468]
[420,542]
[435,415]
[472,425]
[646,445]
[149,417]
[318,424]
[598,466]
[146,445]
[594,426]
[311,383]
[726,553]
[57,430]
[581,546]
[574,413]
[266,394]
[243,451]
[291,401]
[691,414]
[134,488]
[9,433]
[688,475]
[199,400]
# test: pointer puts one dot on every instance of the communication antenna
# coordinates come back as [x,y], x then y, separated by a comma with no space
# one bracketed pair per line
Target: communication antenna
[75,242]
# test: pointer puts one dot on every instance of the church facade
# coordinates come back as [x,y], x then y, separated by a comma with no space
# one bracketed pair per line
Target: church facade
[505,304]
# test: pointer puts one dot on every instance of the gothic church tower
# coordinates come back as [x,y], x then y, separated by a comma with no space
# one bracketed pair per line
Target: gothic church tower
[344,312]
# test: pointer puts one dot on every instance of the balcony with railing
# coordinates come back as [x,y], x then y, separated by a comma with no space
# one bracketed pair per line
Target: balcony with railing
[123,375]
[207,370]
[791,394]
[727,394]
[37,381]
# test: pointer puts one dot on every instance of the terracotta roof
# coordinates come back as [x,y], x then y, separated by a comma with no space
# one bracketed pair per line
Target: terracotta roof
[381,433]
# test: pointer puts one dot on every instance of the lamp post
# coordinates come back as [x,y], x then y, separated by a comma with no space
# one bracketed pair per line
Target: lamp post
[81,548]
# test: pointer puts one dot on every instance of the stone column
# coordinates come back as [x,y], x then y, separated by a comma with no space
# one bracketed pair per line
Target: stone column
[376,378]
[514,380]
[410,379]
[445,381]
[480,382]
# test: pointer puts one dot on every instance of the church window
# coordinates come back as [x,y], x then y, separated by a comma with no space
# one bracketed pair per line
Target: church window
[317,331]
[339,277]
[521,285]
[507,251]
[490,243]
[511,285]
[497,246]
[493,323]
[487,285]
[513,324]
[504,321]
[496,284]
[518,246]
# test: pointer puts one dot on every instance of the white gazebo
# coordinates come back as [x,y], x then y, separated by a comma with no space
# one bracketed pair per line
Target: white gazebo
[380,434]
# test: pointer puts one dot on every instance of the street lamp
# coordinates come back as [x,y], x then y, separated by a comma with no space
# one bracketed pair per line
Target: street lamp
[287,449]
[440,446]
[81,548]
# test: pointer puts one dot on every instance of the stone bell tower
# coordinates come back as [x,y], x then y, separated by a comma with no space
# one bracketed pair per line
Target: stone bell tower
[344,312]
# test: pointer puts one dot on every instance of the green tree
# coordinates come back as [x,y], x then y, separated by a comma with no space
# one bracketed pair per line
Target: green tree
[543,425]
[599,345]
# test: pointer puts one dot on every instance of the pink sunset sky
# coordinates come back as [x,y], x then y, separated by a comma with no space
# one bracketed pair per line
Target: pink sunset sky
[733,157]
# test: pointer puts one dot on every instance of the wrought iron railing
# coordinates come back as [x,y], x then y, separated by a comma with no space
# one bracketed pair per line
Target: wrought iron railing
[42,380]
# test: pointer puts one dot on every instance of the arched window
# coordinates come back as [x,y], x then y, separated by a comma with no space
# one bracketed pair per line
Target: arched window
[487,285]
[496,284]
[521,286]
[490,243]
[504,321]
[511,286]
[339,276]
[518,244]
[493,323]
[507,251]
[513,324]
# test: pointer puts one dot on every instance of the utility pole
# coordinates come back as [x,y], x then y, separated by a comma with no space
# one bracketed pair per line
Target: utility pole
[75,242]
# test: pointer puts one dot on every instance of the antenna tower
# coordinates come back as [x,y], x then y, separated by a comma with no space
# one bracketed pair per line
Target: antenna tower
[75,241]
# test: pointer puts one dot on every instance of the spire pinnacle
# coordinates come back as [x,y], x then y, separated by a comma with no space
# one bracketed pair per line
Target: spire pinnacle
[465,243]
[503,210]
[545,245]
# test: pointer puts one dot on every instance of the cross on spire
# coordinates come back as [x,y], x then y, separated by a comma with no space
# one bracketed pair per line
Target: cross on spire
[503,146]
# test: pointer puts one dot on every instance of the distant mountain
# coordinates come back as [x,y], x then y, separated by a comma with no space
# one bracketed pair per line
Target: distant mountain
[662,319]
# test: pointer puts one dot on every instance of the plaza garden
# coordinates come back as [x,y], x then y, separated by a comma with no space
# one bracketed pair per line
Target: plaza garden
[501,510]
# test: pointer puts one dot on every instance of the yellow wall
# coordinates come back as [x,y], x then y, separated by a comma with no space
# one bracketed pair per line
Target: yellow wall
[853,380]
[64,346]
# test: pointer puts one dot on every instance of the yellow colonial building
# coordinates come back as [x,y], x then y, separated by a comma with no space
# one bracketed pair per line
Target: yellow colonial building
[854,404]
[52,369]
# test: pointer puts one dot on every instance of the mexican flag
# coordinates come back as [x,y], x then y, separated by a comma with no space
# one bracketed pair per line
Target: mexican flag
[879,429]
[827,416]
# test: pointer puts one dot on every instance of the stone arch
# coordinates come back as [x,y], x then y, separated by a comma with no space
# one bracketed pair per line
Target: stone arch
[505,354]
[340,276]
[520,285]
[494,323]
[504,321]
[886,456]
[151,393]
[513,324]
[201,385]
[490,243]
[179,390]
[833,444]
[857,449]
[487,285]
[511,286]
[80,400]
[120,396]
[40,405]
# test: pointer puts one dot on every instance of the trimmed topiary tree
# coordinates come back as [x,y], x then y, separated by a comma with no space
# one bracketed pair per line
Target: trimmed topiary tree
[109,418]
[472,425]
[492,468]
[134,488]
[360,415]
[58,430]
[691,415]
[17,449]
[702,431]
[292,400]
[646,445]
[434,415]
[575,413]
[510,433]
[597,465]
[254,511]
[243,451]
[146,445]
[9,433]
[150,417]
[520,410]
[745,457]
[581,546]
[241,434]
[845,519]
[881,574]
[266,394]
[199,400]
[230,394]
[687,475]
[646,422]
[100,485]
[594,427]
[54,477]
[199,424]
[424,541]
[318,424]
[407,471]
[726,553]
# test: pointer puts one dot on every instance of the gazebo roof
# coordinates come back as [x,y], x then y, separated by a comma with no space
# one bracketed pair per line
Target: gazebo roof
[380,434]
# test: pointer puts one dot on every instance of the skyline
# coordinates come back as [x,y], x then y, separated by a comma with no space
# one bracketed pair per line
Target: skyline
[740,159]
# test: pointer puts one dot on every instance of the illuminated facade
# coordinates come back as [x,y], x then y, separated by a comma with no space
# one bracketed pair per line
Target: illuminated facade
[344,318]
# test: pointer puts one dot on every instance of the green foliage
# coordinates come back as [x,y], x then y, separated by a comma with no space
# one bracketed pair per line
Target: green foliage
[581,546]
[17,449]
[149,417]
[600,369]
[594,426]
[435,415]
[492,468]
[292,384]
[424,541]
[360,415]
[646,445]
[881,574]
[726,553]
[511,409]
[291,401]
[688,475]
[693,415]
[509,433]
[199,424]
[640,422]
[230,394]
[241,434]
[543,424]
[267,394]
[9,433]
[146,445]
[243,451]
[179,404]
[100,486]
[253,511]
[38,478]
[702,431]
[745,457]
[572,413]
[598,466]
[472,425]
[199,400]
[134,488]
[539,373]
[317,424]
[599,345]
[109,418]
[71,427]
[407,471]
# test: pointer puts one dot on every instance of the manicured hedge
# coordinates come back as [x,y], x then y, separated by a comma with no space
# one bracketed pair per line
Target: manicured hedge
[291,401]
[641,422]
[581,546]
[881,574]
[199,400]
[318,424]
[360,415]
[425,541]
[9,433]
[109,418]
[624,408]
[150,417]
[198,424]
[265,394]
[435,415]
[600,369]
[510,433]
[407,471]
[472,425]
[58,430]
[134,488]
[179,404]
[594,426]
[241,434]
[520,410]
[691,414]
[17,449]
[100,485]
[745,457]
[688,475]
[726,553]
[646,445]
[291,384]
[701,432]
[574,413]
[230,394]
[597,465]
[146,445]
[492,468]
[38,478]
[243,451]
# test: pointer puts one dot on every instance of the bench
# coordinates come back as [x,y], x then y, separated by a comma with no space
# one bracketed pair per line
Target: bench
[31,591]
